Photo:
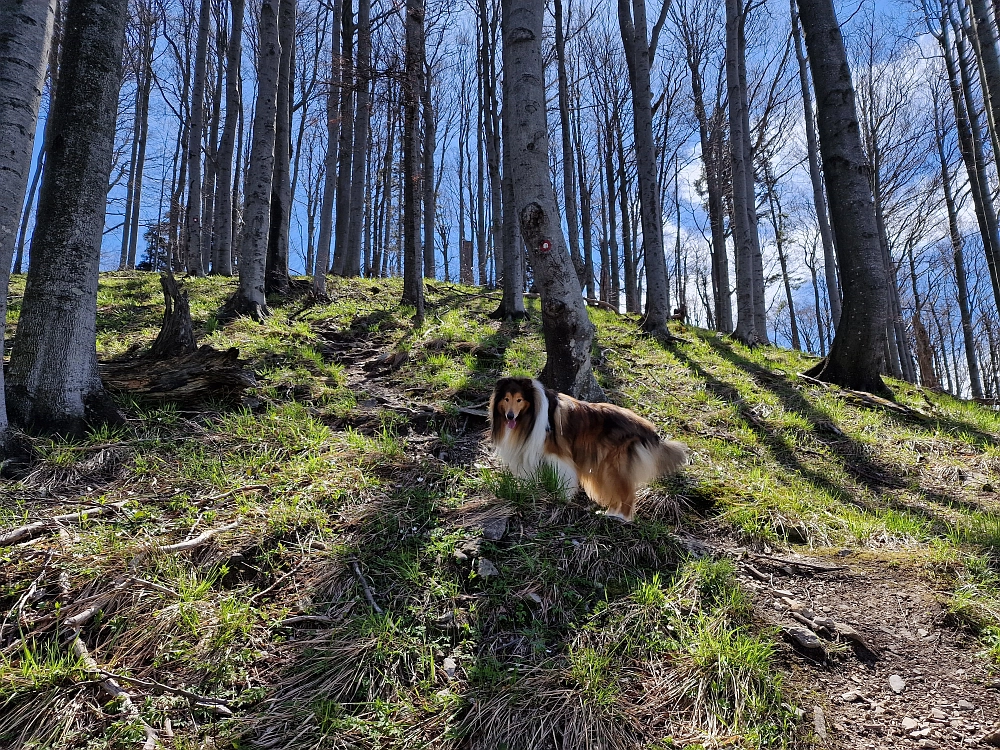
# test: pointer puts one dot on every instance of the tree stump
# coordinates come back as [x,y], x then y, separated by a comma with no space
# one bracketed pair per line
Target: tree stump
[203,375]
[176,335]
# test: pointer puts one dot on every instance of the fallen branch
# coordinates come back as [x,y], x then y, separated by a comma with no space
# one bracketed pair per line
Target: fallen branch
[215,705]
[155,587]
[295,620]
[48,526]
[364,587]
[112,688]
[198,540]
[801,563]
[277,582]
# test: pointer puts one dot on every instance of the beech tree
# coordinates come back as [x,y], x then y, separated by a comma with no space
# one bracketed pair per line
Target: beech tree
[24,50]
[857,356]
[413,283]
[249,298]
[567,330]
[53,384]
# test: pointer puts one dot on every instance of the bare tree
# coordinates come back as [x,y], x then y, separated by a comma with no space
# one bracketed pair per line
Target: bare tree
[249,298]
[276,277]
[857,355]
[413,284]
[222,262]
[567,330]
[193,253]
[639,55]
[330,168]
[53,384]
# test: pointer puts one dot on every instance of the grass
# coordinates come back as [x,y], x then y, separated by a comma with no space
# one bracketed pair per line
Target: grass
[366,500]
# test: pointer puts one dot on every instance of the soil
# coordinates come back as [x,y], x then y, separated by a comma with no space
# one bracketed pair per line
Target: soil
[949,698]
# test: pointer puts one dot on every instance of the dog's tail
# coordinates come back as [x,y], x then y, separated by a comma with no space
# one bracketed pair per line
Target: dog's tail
[670,456]
[655,460]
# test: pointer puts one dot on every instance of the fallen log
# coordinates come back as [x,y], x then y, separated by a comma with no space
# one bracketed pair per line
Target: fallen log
[203,375]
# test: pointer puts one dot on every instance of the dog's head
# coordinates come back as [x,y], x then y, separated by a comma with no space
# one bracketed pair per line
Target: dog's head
[512,406]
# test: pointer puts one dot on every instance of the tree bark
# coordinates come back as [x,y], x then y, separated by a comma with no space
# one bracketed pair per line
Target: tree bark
[24,52]
[276,279]
[249,298]
[816,176]
[362,122]
[346,146]
[638,59]
[53,383]
[195,266]
[746,326]
[222,262]
[330,165]
[567,330]
[429,196]
[955,235]
[857,355]
[413,284]
[568,167]
[149,39]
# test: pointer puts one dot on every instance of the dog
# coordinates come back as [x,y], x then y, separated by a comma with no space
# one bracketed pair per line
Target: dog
[608,451]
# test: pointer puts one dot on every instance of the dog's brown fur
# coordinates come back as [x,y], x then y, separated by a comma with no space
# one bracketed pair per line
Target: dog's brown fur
[607,450]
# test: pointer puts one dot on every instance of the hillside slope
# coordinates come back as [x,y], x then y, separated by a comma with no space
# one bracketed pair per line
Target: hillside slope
[376,580]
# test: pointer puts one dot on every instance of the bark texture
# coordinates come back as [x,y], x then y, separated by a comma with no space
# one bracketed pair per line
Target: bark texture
[413,283]
[856,358]
[53,383]
[249,298]
[567,330]
[24,48]
[276,270]
[193,253]
[222,249]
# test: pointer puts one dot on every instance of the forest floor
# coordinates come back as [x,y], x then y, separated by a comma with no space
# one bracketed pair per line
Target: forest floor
[362,574]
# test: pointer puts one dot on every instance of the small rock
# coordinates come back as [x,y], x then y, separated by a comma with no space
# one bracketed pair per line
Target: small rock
[964,705]
[852,696]
[485,568]
[921,733]
[922,632]
[937,713]
[805,638]
[897,683]
[534,597]
[928,743]
[839,728]
[993,738]
[449,666]
[495,528]
[909,724]
[819,722]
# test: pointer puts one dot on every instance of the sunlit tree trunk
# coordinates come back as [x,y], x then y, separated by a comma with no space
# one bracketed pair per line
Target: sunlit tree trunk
[193,256]
[222,262]
[413,283]
[53,384]
[276,277]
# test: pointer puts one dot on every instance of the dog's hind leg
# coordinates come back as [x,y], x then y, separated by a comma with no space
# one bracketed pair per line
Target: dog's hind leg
[614,491]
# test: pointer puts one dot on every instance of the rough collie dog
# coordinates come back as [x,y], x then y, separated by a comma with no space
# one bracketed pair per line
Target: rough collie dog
[607,450]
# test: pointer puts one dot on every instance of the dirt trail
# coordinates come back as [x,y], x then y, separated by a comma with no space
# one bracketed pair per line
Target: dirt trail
[948,697]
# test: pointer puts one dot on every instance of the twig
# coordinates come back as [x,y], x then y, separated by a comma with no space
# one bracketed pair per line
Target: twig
[112,688]
[156,587]
[763,578]
[26,597]
[198,540]
[277,582]
[32,530]
[215,705]
[290,621]
[800,563]
[234,491]
[364,587]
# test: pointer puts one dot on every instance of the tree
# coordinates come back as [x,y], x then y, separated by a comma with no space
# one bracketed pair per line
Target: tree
[276,268]
[24,51]
[249,298]
[330,165]
[857,356]
[413,283]
[193,253]
[567,330]
[222,248]
[639,54]
[53,384]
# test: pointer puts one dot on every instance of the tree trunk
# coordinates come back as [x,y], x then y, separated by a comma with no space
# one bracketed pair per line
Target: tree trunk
[53,383]
[222,262]
[746,326]
[954,233]
[346,147]
[249,299]
[568,167]
[330,166]
[28,205]
[567,330]
[777,222]
[149,43]
[430,207]
[276,278]
[212,155]
[816,176]
[362,122]
[637,56]
[413,284]
[176,336]
[611,268]
[24,52]
[195,266]
[628,235]
[857,355]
